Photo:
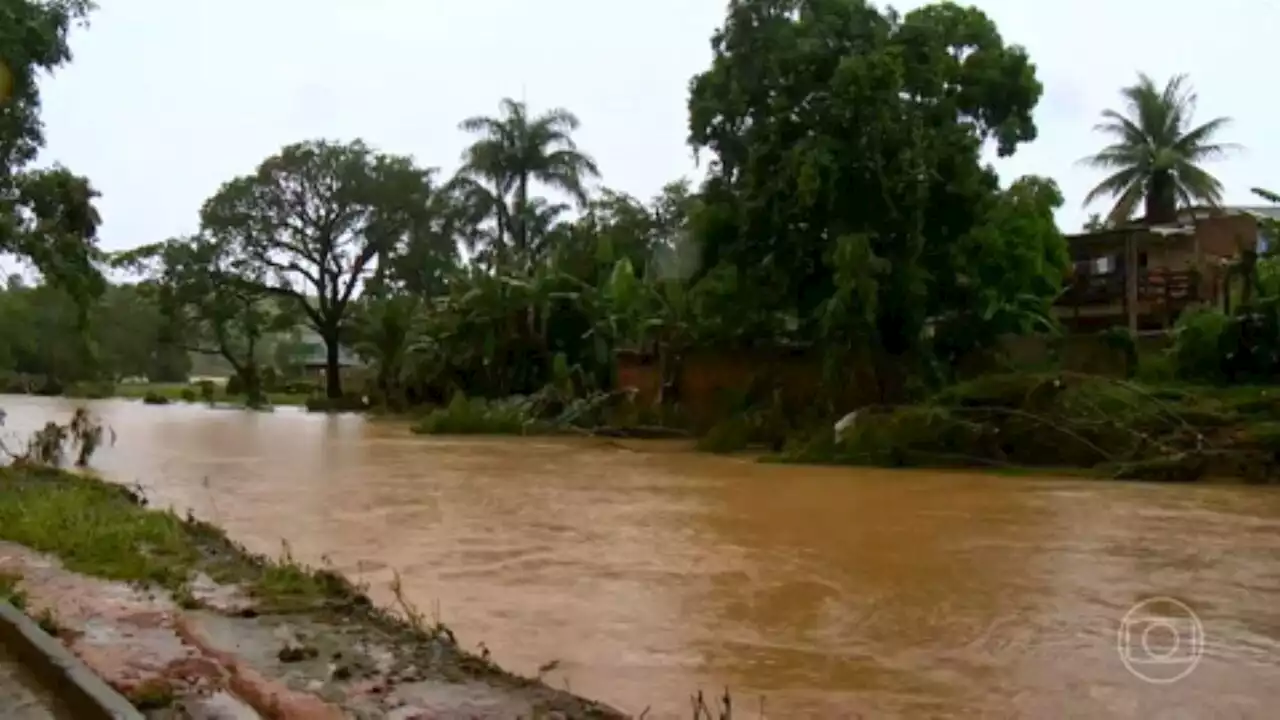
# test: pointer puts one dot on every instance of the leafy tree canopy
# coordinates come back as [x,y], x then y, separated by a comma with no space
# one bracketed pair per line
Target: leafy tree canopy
[316,222]
[46,215]
[846,156]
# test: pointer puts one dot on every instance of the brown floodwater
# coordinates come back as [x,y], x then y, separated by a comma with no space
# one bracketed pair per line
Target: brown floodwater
[649,571]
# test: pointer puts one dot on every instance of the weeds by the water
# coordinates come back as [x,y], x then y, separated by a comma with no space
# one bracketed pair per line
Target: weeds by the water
[475,416]
[418,621]
[548,412]
[722,710]
[52,444]
[92,527]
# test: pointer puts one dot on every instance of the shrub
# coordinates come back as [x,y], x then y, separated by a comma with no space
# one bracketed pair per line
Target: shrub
[475,417]
[729,435]
[154,398]
[235,384]
[14,384]
[90,390]
[188,394]
[208,390]
[1156,368]
[1121,340]
[270,379]
[1249,346]
[1197,346]
[300,387]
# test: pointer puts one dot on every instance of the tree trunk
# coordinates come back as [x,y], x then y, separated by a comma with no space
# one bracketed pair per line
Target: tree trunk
[522,216]
[1161,200]
[332,369]
[252,379]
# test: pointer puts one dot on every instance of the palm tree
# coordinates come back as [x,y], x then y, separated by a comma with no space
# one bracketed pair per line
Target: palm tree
[1156,154]
[514,150]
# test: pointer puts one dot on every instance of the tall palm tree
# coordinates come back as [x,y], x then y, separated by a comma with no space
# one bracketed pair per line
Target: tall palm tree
[1156,154]
[514,150]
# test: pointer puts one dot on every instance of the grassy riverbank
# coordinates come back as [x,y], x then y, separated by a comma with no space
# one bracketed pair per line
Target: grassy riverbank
[105,531]
[190,392]
[1087,423]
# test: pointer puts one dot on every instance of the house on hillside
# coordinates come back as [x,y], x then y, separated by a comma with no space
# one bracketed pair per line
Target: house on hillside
[1145,276]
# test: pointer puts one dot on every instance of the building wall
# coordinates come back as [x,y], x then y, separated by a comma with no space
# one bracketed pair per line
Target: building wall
[1227,236]
[713,384]
[641,374]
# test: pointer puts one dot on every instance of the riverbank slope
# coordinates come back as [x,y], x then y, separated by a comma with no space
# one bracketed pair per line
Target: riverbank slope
[181,620]
[1055,421]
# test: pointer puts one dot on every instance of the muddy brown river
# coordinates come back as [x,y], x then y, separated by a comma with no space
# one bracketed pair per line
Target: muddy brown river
[649,571]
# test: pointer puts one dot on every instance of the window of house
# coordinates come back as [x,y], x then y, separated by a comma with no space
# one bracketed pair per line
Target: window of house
[1142,259]
[1264,242]
[1104,265]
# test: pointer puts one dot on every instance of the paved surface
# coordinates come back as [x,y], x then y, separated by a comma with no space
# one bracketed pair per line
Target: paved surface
[20,697]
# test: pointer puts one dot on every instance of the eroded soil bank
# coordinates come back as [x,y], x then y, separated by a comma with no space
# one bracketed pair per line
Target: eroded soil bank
[188,625]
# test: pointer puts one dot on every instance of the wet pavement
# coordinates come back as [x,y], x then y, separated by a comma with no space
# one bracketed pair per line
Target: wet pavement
[21,698]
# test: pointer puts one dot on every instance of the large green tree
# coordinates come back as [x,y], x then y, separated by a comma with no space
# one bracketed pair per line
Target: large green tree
[1155,157]
[515,150]
[847,166]
[42,336]
[319,220]
[46,215]
[1008,270]
[134,337]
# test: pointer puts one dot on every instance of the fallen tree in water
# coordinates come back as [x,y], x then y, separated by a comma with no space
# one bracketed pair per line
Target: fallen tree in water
[1066,420]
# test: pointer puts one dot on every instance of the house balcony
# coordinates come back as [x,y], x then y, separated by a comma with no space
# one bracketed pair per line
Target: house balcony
[1154,286]
[1100,299]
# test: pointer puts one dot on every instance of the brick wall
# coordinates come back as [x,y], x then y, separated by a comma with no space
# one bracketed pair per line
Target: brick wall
[1227,235]
[712,382]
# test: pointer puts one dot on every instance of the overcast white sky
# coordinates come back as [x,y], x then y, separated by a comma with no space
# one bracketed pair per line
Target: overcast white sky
[168,98]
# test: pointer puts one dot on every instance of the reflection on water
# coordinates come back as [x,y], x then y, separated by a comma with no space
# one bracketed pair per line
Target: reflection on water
[650,572]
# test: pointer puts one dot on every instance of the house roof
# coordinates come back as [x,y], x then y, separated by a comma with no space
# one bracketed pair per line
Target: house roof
[1266,211]
[1112,234]
[1182,227]
[1271,212]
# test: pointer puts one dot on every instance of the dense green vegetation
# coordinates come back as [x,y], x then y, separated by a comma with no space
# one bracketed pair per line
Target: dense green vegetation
[847,213]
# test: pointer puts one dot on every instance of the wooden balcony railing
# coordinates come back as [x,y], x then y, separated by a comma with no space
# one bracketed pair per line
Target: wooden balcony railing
[1154,286]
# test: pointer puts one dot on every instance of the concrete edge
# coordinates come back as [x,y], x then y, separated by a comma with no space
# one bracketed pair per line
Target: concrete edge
[82,691]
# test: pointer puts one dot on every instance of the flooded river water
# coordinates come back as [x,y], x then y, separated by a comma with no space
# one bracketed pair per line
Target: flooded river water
[649,571]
